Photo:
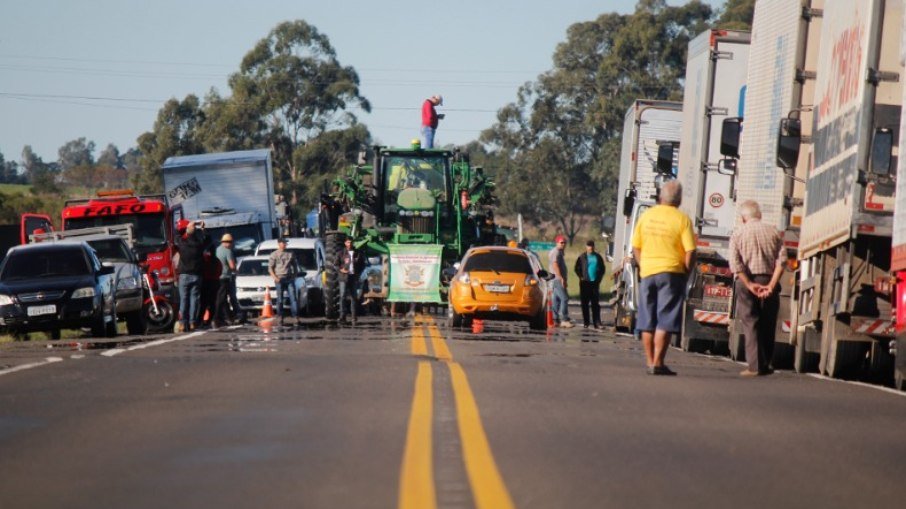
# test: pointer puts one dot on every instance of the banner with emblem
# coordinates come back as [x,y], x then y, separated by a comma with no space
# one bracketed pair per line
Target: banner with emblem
[415,273]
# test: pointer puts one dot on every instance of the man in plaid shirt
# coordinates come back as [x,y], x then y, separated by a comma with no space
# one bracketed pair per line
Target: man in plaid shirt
[756,258]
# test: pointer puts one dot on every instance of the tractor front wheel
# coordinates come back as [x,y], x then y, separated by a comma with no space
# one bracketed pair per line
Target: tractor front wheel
[333,247]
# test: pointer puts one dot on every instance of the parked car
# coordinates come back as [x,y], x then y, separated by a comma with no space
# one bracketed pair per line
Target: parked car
[499,283]
[252,279]
[54,286]
[113,250]
[309,252]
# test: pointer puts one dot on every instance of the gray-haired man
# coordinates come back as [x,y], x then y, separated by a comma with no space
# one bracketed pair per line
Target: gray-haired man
[756,258]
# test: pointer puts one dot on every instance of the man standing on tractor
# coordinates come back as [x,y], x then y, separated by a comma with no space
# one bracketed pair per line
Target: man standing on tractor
[430,118]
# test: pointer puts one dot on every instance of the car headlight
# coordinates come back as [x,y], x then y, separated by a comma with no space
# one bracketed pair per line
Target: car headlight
[464,278]
[127,283]
[5,300]
[83,293]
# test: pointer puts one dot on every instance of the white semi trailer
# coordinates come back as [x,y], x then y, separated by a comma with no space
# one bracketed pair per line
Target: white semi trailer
[651,134]
[714,90]
[844,298]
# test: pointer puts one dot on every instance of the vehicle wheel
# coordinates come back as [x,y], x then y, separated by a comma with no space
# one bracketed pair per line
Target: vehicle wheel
[54,334]
[455,319]
[163,319]
[19,335]
[618,313]
[110,327]
[333,246]
[98,327]
[803,360]
[899,380]
[539,321]
[136,324]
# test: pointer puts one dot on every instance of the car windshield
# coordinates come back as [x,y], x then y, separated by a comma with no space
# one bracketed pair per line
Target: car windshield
[498,261]
[252,268]
[111,250]
[33,264]
[150,231]
[305,257]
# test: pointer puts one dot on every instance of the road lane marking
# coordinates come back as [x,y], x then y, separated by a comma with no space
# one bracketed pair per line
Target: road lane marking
[417,475]
[117,351]
[487,484]
[419,348]
[23,367]
[441,352]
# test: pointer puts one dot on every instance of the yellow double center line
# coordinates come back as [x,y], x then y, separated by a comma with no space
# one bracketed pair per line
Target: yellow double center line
[417,489]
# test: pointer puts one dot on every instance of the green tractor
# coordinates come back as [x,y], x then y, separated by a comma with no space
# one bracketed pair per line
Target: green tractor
[419,210]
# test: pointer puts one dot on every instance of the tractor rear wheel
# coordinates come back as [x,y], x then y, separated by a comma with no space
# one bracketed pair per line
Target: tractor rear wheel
[333,247]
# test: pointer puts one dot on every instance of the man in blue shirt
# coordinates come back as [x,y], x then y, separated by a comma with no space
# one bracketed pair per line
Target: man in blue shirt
[590,269]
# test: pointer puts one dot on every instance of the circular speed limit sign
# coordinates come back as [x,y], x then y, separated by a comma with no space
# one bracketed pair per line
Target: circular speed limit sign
[716,200]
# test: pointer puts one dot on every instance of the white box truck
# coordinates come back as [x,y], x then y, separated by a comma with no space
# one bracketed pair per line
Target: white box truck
[779,97]
[898,251]
[844,297]
[651,129]
[714,89]
[230,191]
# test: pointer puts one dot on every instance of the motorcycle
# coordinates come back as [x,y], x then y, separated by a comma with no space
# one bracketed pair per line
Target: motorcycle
[159,311]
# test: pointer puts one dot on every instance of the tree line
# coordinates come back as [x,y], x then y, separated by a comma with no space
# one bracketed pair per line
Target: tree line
[291,94]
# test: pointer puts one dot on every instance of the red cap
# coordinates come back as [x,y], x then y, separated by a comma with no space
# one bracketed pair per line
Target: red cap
[559,238]
[182,224]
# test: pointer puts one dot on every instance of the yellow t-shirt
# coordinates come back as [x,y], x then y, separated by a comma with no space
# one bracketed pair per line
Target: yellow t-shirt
[663,235]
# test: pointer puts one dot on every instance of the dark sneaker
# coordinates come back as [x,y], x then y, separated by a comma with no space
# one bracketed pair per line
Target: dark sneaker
[664,370]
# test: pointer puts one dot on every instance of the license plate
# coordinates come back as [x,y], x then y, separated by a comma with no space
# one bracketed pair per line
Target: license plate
[497,288]
[42,310]
[718,291]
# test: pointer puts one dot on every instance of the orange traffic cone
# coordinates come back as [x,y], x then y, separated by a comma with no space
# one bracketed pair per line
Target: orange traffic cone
[477,326]
[268,310]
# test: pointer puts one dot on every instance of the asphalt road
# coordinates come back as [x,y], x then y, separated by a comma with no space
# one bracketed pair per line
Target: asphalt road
[408,413]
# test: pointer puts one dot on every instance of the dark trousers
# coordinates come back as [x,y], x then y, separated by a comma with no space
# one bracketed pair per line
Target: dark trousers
[349,290]
[227,305]
[590,294]
[757,319]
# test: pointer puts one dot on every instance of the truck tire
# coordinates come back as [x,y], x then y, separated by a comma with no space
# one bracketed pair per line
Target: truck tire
[333,247]
[737,346]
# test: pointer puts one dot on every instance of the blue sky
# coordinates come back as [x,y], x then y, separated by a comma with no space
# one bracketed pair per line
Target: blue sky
[102,68]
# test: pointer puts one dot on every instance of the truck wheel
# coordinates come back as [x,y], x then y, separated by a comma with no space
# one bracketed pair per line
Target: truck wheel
[54,334]
[618,313]
[136,324]
[333,246]
[737,346]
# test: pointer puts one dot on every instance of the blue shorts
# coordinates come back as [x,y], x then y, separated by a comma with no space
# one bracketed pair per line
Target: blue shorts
[661,299]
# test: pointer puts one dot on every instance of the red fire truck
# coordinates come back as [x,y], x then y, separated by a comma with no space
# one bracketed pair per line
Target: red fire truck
[151,217]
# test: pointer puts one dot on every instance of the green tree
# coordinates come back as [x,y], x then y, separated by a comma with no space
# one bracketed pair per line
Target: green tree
[737,15]
[294,81]
[321,159]
[42,176]
[76,160]
[174,134]
[563,130]
[110,156]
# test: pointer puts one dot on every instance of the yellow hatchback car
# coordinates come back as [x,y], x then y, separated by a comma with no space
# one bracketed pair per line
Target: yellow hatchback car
[499,283]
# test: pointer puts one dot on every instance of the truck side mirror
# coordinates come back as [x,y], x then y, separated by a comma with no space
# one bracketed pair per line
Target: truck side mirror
[628,202]
[789,138]
[881,151]
[727,167]
[665,158]
[729,137]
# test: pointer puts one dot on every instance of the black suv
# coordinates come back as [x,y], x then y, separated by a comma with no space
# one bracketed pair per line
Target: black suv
[53,286]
